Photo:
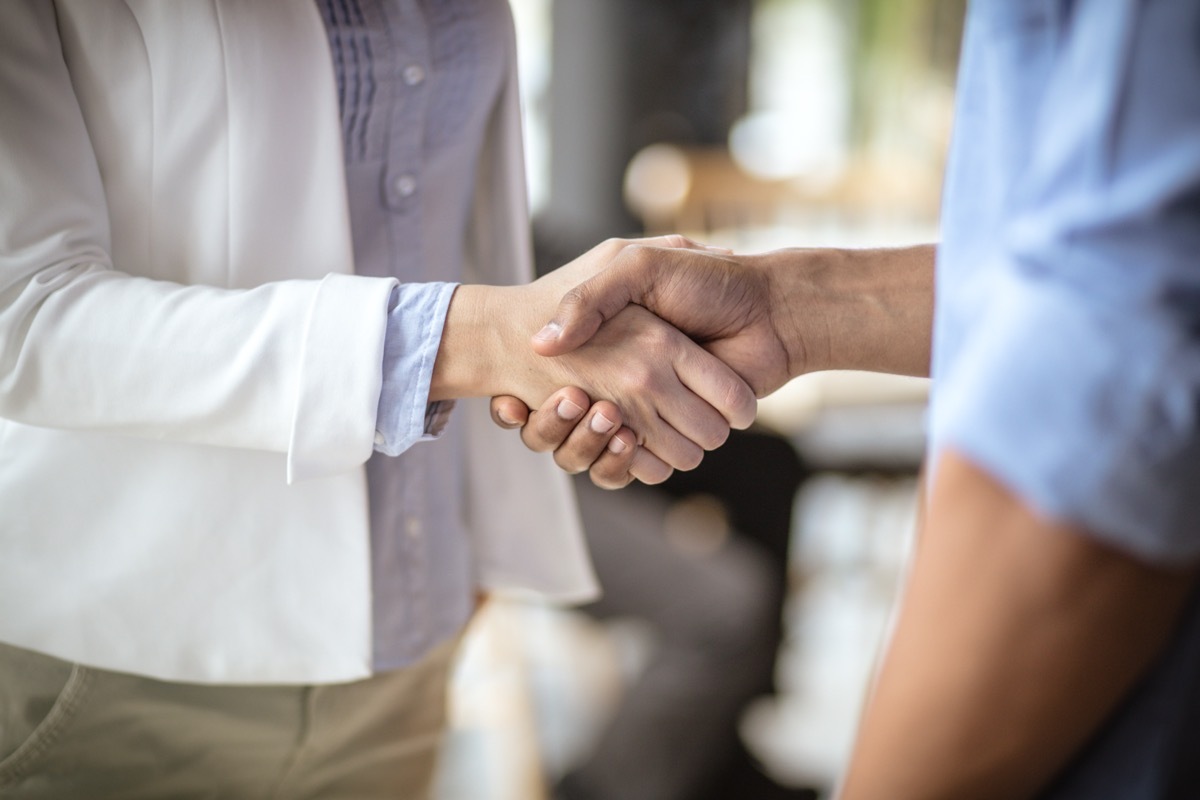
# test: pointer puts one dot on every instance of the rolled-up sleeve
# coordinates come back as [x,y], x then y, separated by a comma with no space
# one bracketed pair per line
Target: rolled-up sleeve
[416,316]
[1078,383]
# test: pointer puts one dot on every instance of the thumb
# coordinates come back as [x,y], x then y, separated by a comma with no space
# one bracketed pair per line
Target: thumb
[585,308]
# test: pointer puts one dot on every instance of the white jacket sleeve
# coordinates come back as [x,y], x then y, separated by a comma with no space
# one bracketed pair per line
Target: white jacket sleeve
[143,348]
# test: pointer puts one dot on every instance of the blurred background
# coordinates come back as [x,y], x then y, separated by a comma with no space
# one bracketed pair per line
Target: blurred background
[745,602]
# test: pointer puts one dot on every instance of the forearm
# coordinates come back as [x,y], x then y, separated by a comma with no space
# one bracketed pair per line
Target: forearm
[853,309]
[1016,638]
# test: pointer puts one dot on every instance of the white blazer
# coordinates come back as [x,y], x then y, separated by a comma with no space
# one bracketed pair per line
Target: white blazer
[189,370]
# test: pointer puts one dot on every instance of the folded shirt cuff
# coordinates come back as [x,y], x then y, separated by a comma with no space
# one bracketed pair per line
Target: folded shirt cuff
[1086,410]
[416,316]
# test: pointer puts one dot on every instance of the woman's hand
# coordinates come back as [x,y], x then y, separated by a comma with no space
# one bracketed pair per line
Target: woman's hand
[583,439]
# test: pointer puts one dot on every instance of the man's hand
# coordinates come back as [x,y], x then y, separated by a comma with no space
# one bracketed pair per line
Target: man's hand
[722,301]
[770,316]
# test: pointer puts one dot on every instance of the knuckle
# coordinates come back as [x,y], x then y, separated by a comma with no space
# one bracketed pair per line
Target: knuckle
[740,403]
[648,468]
[614,244]
[678,451]
[639,256]
[642,380]
[637,377]
[534,439]
[660,337]
[652,476]
[575,296]
[567,463]
[610,479]
[535,444]
[715,436]
[690,460]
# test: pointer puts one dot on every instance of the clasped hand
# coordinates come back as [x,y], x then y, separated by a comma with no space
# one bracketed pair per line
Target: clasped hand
[667,399]
[605,298]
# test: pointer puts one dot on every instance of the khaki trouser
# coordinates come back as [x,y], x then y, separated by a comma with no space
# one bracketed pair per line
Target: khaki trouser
[68,731]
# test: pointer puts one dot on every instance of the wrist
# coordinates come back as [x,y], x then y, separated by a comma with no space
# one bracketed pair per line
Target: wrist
[865,309]
[798,293]
[465,357]
[484,340]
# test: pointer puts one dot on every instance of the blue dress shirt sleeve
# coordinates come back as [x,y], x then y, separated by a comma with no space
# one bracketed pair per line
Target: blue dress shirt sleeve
[1078,385]
[416,315]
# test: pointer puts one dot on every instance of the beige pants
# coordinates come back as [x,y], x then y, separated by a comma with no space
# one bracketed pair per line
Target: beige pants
[68,731]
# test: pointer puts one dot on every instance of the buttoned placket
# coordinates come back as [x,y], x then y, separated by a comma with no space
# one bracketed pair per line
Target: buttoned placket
[415,548]
[408,78]
[403,158]
[405,143]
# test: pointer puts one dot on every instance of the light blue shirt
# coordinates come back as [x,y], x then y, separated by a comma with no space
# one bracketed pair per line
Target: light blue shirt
[417,83]
[1067,340]
[1067,325]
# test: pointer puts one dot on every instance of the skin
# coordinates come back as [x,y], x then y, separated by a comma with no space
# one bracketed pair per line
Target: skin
[609,457]
[780,314]
[771,316]
[679,398]
[1018,634]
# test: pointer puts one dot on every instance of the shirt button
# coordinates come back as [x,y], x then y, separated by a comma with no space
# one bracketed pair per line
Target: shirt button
[405,185]
[414,74]
[413,526]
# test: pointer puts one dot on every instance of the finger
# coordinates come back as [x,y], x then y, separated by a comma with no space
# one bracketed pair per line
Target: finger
[648,468]
[711,380]
[611,469]
[633,271]
[687,426]
[588,440]
[690,403]
[509,412]
[552,423]
[587,306]
[635,268]
[676,449]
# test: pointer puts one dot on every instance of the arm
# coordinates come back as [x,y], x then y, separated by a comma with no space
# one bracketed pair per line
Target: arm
[771,316]
[1020,632]
[87,343]
[105,335]
[1016,637]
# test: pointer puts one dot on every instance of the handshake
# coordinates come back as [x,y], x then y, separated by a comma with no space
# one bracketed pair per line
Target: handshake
[642,354]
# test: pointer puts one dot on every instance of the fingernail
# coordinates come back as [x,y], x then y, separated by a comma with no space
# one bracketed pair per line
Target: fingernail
[567,410]
[506,419]
[549,333]
[601,424]
[615,445]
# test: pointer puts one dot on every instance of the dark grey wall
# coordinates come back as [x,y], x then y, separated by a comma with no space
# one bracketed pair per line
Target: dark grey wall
[628,73]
